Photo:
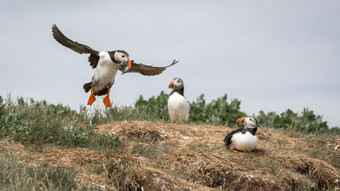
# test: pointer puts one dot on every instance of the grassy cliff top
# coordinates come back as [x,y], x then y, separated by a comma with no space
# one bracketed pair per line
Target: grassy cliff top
[163,156]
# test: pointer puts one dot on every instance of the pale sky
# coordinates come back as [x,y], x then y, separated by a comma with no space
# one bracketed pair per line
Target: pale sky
[271,55]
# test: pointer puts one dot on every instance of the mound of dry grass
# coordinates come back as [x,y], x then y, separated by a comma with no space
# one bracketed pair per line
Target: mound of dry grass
[216,172]
[323,175]
[134,131]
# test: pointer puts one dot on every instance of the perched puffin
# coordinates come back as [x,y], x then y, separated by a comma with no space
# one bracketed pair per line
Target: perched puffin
[106,63]
[243,139]
[178,105]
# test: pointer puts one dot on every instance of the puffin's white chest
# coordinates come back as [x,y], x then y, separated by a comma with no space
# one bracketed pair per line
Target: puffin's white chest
[178,107]
[106,71]
[243,142]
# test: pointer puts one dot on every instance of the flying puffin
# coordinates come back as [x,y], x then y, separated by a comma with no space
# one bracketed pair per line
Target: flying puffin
[243,139]
[106,63]
[178,105]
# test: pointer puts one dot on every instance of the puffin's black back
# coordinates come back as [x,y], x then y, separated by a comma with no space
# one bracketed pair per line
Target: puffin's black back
[227,139]
[243,130]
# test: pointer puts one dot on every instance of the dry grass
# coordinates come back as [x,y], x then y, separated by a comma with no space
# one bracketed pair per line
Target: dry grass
[322,174]
[160,156]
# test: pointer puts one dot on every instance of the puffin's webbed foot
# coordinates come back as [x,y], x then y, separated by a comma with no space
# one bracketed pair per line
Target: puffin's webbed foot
[92,98]
[106,99]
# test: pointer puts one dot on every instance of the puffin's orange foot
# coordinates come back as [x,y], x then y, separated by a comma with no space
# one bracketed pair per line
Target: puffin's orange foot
[106,101]
[237,150]
[92,98]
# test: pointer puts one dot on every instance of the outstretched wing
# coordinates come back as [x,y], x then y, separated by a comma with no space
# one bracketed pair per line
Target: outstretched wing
[145,69]
[75,46]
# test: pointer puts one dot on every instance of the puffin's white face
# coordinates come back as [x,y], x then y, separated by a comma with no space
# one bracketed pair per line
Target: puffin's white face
[176,83]
[248,122]
[121,57]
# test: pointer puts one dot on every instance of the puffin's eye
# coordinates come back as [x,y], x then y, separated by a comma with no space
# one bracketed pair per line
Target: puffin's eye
[178,81]
[123,56]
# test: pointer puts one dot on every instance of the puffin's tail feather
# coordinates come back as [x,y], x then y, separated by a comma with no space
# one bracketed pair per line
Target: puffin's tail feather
[87,87]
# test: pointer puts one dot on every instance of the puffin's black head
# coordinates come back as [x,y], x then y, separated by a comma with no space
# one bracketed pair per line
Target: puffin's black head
[120,56]
[176,84]
[124,52]
[248,122]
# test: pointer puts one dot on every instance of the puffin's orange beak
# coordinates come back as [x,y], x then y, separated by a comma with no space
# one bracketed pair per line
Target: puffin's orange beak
[129,63]
[171,85]
[240,120]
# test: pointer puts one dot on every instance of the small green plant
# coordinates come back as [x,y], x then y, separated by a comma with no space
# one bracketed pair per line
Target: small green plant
[217,112]
[307,121]
[154,107]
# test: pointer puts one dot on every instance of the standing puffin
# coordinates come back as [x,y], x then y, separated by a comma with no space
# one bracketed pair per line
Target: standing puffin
[243,139]
[178,105]
[106,63]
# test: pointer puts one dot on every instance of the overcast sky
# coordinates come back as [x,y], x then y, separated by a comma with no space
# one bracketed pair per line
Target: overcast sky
[271,55]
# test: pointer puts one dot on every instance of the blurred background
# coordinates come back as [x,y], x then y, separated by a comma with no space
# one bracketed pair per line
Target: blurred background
[270,55]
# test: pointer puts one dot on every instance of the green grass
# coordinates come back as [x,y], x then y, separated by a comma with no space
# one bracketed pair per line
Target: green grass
[15,175]
[40,123]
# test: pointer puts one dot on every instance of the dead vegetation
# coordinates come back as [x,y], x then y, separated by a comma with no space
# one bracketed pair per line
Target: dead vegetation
[324,176]
[159,156]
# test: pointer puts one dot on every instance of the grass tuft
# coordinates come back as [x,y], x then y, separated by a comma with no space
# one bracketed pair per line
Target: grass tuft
[15,175]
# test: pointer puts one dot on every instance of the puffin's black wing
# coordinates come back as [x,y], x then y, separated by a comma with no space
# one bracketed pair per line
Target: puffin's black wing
[145,69]
[227,139]
[75,46]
